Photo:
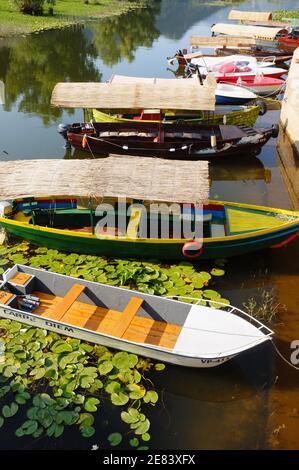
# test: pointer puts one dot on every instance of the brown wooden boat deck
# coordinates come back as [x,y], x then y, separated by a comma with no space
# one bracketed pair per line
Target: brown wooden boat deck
[126,325]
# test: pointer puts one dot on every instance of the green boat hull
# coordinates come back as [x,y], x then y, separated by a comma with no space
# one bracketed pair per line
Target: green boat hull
[139,249]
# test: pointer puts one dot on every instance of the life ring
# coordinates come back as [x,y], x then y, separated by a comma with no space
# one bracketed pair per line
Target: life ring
[192,249]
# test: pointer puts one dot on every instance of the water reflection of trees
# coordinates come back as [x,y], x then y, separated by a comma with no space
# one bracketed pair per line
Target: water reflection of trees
[31,66]
[117,38]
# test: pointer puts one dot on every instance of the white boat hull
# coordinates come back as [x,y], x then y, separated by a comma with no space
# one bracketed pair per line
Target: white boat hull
[97,338]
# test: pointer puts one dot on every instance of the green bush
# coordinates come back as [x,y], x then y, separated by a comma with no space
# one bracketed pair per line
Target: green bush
[33,7]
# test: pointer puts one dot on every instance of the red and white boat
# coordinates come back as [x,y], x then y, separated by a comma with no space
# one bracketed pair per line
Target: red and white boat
[261,85]
[231,71]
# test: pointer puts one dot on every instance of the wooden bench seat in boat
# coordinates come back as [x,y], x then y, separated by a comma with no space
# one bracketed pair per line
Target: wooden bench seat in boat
[102,320]
[67,301]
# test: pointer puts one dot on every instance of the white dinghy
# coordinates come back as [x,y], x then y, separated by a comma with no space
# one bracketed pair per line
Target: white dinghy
[159,328]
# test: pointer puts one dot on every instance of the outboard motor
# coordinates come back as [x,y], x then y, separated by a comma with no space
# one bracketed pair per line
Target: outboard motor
[62,129]
[6,209]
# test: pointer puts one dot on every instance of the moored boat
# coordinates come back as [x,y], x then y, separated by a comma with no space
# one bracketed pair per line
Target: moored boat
[159,328]
[235,115]
[174,141]
[263,86]
[71,224]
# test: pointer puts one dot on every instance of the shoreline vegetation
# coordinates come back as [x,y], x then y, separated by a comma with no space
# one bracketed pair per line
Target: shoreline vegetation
[66,13]
[71,12]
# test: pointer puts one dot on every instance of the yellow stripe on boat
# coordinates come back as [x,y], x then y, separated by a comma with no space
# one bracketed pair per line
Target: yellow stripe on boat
[245,221]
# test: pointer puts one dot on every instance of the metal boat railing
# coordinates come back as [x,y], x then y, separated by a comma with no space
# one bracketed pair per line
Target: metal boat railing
[230,309]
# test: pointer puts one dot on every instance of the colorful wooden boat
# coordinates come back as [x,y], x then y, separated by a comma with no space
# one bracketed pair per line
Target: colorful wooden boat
[159,328]
[228,228]
[235,115]
[278,56]
[174,141]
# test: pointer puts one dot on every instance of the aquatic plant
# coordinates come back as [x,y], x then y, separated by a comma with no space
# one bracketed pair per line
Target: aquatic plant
[176,280]
[64,381]
[264,306]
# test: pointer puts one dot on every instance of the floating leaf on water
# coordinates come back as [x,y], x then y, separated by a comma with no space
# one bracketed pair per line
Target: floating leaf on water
[159,366]
[143,448]
[217,272]
[105,367]
[22,397]
[61,346]
[55,430]
[85,420]
[113,387]
[130,416]
[134,442]
[67,417]
[142,427]
[10,410]
[91,404]
[38,373]
[136,391]
[4,390]
[119,399]
[115,439]
[151,397]
[211,294]
[88,431]
[145,437]
[42,400]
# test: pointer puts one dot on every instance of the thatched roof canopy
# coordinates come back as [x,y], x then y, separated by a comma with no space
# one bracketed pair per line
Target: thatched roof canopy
[150,179]
[256,32]
[168,94]
[225,41]
[250,15]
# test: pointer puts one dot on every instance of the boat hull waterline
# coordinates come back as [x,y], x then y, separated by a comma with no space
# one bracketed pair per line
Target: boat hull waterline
[184,334]
[239,229]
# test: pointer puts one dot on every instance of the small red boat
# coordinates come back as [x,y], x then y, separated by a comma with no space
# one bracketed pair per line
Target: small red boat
[261,85]
[291,40]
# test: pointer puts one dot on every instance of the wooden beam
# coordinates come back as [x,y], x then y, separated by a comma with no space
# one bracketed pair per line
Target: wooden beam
[127,316]
[67,301]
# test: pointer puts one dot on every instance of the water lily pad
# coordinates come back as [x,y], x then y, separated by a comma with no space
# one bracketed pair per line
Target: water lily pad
[29,427]
[85,420]
[159,366]
[151,397]
[136,391]
[91,404]
[145,437]
[61,346]
[130,416]
[4,390]
[134,442]
[119,399]
[10,410]
[211,294]
[105,367]
[113,387]
[142,427]
[88,431]
[115,439]
[217,272]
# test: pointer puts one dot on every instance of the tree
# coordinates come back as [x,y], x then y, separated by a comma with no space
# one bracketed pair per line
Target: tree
[33,7]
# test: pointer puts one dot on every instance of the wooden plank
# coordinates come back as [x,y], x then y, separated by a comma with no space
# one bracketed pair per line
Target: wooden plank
[20,278]
[127,316]
[255,32]
[62,307]
[106,321]
[5,297]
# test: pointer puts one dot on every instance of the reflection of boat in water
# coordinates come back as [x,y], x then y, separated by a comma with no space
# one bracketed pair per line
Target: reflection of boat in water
[251,169]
